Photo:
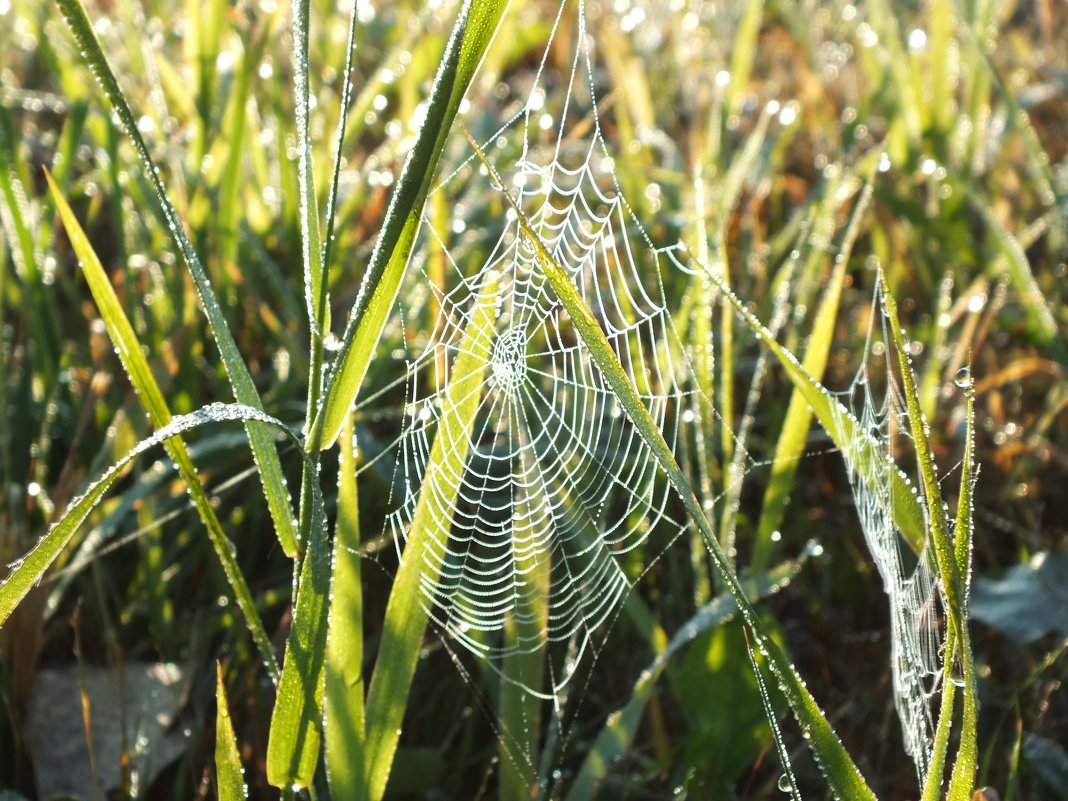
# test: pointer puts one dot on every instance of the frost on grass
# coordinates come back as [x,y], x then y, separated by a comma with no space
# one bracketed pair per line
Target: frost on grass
[912,588]
[556,485]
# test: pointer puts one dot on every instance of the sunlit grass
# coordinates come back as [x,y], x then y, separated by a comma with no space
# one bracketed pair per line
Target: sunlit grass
[799,150]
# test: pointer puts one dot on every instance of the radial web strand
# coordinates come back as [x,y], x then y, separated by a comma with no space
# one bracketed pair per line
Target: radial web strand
[556,486]
[912,588]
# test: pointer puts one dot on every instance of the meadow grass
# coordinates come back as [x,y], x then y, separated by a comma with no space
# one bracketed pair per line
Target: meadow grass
[238,178]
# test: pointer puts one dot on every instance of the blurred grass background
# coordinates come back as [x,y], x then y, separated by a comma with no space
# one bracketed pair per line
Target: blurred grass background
[957,110]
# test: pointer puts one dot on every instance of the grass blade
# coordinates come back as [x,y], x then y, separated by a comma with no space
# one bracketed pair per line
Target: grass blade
[297,720]
[962,544]
[836,420]
[136,366]
[244,388]
[316,297]
[958,657]
[406,617]
[966,766]
[842,773]
[229,775]
[344,714]
[28,570]
[798,418]
[474,29]
[1043,325]
[523,669]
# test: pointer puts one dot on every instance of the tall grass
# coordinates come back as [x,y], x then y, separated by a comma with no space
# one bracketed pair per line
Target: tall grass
[188,215]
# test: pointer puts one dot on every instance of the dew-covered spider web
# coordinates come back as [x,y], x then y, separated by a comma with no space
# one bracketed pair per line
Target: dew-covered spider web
[878,410]
[551,489]
[540,500]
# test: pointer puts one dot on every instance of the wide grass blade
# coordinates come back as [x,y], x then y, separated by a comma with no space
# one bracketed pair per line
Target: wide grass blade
[474,29]
[28,570]
[244,388]
[842,774]
[144,382]
[421,561]
[296,724]
[344,714]
[229,775]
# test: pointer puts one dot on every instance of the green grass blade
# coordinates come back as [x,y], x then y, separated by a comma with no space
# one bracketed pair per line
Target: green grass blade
[798,413]
[967,752]
[523,670]
[229,775]
[144,382]
[1042,323]
[958,664]
[474,29]
[966,766]
[244,388]
[344,102]
[297,721]
[316,297]
[743,52]
[838,767]
[836,420]
[344,713]
[406,617]
[932,496]
[16,220]
[28,570]
[776,732]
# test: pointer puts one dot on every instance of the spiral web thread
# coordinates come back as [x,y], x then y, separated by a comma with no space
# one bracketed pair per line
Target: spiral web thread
[913,591]
[557,486]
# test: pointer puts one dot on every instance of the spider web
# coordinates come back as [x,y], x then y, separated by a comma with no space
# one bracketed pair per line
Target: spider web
[557,487]
[912,588]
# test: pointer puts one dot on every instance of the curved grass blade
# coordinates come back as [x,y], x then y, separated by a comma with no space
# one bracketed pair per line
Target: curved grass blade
[263,447]
[229,775]
[836,420]
[798,418]
[474,29]
[841,772]
[136,366]
[28,570]
[406,616]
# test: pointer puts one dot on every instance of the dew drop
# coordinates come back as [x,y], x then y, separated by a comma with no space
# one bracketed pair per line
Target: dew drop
[963,377]
[783,783]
